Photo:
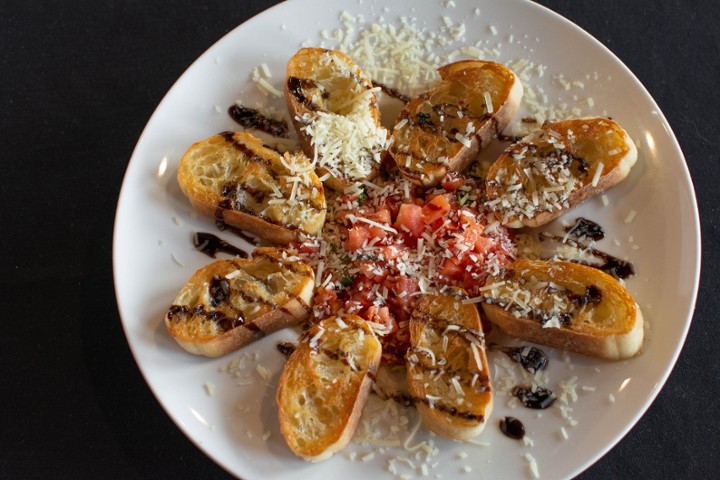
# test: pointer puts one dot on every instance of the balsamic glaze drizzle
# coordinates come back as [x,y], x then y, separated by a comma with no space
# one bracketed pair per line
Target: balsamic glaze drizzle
[539,399]
[210,244]
[251,118]
[391,92]
[612,265]
[512,427]
[530,358]
[584,228]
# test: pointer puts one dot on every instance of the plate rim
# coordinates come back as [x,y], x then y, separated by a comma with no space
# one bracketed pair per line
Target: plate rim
[696,268]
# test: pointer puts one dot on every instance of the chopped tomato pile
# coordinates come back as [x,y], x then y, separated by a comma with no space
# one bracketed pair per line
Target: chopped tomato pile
[385,245]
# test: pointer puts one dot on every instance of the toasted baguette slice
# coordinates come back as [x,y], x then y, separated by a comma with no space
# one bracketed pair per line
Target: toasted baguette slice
[230,303]
[334,111]
[443,129]
[447,370]
[567,306]
[325,385]
[558,167]
[237,180]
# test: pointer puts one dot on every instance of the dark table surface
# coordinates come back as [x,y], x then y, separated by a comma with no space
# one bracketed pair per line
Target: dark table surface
[80,80]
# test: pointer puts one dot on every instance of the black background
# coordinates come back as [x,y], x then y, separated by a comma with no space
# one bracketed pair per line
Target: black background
[79,81]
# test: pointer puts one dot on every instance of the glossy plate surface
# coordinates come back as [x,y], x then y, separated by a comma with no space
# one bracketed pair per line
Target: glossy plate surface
[232,415]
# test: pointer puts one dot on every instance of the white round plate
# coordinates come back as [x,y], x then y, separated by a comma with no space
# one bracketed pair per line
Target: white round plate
[232,417]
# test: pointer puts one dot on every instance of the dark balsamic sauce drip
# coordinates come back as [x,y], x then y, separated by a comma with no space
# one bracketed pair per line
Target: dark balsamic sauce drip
[219,290]
[528,120]
[210,244]
[530,358]
[539,399]
[296,86]
[584,228]
[251,118]
[391,92]
[512,427]
[612,265]
[286,348]
[616,267]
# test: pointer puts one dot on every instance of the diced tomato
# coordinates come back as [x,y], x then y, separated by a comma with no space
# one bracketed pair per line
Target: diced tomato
[357,236]
[450,268]
[325,301]
[361,297]
[308,247]
[453,181]
[325,295]
[373,271]
[436,209]
[402,288]
[473,237]
[394,346]
[363,233]
[391,252]
[341,216]
[411,217]
[381,216]
[382,316]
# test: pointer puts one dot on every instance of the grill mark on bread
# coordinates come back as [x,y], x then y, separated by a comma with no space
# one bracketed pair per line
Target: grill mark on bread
[302,304]
[230,138]
[561,156]
[438,324]
[298,266]
[231,190]
[410,401]
[183,313]
[256,199]
[453,411]
[255,329]
[479,384]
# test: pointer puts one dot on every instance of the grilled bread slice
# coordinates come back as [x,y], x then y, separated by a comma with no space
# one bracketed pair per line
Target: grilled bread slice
[443,129]
[557,167]
[335,113]
[237,180]
[567,306]
[230,303]
[325,385]
[447,369]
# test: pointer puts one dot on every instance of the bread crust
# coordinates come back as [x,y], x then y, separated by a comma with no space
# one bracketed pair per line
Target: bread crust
[235,179]
[230,303]
[424,142]
[314,80]
[447,368]
[586,142]
[609,327]
[325,385]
